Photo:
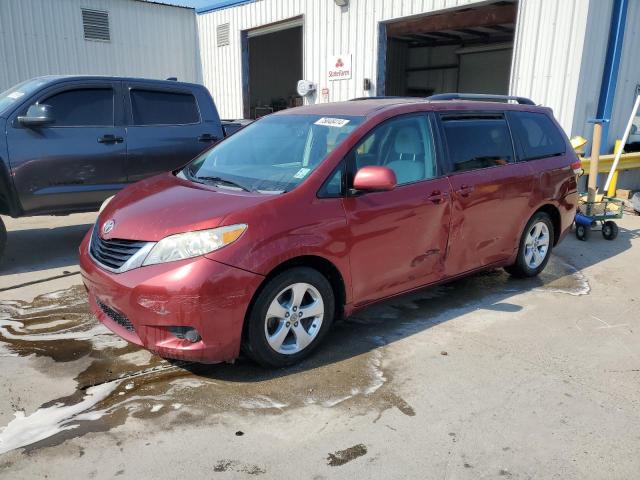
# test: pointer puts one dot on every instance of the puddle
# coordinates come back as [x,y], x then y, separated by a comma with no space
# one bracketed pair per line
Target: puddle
[57,325]
[123,381]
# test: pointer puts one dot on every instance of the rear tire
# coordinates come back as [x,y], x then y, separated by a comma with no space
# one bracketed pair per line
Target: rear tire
[3,238]
[535,248]
[610,230]
[289,318]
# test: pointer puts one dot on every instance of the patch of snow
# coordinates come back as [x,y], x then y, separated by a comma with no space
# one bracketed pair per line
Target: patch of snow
[48,421]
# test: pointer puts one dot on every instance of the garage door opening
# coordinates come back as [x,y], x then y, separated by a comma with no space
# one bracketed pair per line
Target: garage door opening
[463,50]
[273,66]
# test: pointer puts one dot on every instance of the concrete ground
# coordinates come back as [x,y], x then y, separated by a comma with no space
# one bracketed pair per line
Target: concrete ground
[487,377]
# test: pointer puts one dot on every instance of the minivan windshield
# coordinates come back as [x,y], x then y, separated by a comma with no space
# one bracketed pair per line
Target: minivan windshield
[15,93]
[272,155]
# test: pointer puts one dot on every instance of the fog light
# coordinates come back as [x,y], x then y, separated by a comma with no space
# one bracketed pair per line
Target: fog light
[186,333]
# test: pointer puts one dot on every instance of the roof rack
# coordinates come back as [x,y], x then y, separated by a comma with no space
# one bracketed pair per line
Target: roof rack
[381,97]
[481,97]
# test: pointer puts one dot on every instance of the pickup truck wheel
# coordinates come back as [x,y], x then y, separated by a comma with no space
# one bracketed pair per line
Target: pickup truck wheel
[535,248]
[290,317]
[3,237]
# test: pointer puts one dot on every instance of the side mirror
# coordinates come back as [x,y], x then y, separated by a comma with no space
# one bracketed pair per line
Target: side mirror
[37,115]
[375,179]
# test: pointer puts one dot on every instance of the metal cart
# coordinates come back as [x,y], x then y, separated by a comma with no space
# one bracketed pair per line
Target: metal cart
[589,214]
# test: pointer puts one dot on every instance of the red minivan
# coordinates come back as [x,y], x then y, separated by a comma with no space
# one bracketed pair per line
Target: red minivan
[311,213]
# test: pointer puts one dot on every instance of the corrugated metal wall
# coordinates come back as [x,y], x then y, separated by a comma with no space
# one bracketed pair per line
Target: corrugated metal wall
[40,37]
[559,50]
[548,54]
[328,30]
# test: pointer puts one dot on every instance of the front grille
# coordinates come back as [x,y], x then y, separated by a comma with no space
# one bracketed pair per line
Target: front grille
[117,317]
[113,253]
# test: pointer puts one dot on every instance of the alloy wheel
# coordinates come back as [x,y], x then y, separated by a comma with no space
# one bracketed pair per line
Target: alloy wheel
[294,318]
[536,245]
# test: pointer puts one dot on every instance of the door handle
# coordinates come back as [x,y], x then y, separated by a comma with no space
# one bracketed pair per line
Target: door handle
[437,196]
[465,190]
[109,138]
[207,137]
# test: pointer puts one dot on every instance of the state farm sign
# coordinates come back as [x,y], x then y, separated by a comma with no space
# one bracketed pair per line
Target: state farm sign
[339,67]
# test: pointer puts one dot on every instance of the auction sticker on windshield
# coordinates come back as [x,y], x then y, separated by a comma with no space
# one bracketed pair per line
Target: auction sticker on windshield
[302,173]
[332,122]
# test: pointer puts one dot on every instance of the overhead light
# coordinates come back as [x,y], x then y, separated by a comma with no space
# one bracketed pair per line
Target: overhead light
[342,3]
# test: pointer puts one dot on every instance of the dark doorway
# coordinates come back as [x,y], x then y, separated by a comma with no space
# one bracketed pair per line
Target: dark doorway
[275,66]
[462,50]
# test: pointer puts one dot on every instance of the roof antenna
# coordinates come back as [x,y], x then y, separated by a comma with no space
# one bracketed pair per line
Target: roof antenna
[175,79]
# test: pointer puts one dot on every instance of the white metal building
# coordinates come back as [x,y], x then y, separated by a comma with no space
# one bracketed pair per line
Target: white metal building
[96,37]
[552,51]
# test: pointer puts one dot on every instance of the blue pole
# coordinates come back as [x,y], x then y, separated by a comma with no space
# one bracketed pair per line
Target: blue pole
[611,67]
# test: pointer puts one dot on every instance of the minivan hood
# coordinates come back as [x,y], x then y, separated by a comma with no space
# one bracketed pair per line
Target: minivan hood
[165,205]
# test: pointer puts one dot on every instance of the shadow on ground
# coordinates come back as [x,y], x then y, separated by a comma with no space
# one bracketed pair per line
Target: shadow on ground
[36,249]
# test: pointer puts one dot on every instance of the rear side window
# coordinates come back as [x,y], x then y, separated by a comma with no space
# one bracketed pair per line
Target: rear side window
[154,107]
[82,108]
[477,142]
[537,135]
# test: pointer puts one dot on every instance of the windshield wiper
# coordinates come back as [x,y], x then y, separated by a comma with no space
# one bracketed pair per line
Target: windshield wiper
[222,181]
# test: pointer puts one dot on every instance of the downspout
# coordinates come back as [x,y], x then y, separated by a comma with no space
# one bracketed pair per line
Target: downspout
[611,67]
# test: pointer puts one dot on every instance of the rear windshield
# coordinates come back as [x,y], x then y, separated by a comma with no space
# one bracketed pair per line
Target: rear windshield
[537,135]
[272,155]
[14,94]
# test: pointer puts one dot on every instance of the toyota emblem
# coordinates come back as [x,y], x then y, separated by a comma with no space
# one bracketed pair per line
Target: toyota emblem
[108,226]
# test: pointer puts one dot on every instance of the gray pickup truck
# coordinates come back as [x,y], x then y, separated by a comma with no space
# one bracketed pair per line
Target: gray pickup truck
[69,142]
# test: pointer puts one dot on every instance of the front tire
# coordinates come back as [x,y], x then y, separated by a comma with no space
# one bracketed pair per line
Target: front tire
[535,248]
[289,317]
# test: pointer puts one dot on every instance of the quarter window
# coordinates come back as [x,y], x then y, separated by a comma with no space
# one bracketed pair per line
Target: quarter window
[333,186]
[536,134]
[405,145]
[154,107]
[477,142]
[82,108]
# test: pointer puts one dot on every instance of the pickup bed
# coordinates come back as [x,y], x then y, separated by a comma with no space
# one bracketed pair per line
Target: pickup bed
[69,142]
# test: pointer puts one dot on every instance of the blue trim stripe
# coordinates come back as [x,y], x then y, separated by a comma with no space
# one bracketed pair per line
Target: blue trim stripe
[222,5]
[611,67]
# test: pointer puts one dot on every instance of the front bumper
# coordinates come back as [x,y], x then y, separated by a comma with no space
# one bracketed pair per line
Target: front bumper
[141,304]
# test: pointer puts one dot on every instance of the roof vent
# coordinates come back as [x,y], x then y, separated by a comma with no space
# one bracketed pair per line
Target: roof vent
[222,35]
[96,25]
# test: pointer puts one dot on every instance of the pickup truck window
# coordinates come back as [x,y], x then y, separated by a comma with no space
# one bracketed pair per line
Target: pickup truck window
[82,107]
[16,93]
[154,107]
[274,154]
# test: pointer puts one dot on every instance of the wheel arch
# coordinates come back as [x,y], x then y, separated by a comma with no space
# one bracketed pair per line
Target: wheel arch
[554,213]
[322,265]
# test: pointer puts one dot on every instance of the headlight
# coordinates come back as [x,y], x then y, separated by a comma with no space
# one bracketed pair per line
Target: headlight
[105,203]
[193,244]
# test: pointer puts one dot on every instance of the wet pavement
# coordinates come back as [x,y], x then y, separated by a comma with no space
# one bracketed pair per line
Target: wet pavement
[118,380]
[366,369]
